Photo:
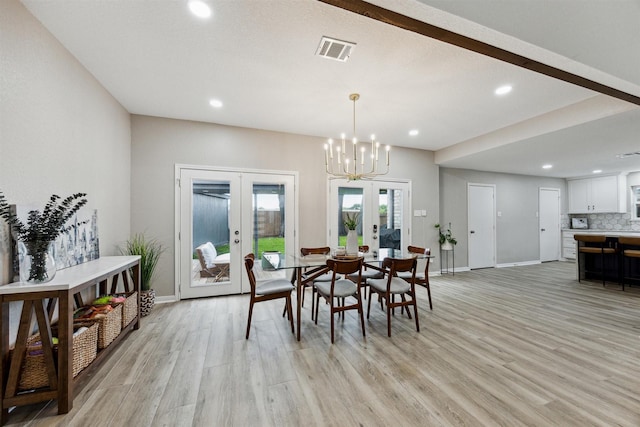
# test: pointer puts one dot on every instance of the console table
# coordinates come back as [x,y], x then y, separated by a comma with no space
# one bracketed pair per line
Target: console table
[41,299]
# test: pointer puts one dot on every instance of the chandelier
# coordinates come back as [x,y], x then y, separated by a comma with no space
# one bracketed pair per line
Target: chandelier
[340,164]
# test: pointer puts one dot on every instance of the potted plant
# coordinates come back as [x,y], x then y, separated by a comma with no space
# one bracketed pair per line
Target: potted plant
[351,224]
[37,263]
[446,239]
[149,251]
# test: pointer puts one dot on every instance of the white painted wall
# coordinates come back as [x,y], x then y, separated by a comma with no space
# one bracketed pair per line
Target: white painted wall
[516,200]
[158,144]
[61,132]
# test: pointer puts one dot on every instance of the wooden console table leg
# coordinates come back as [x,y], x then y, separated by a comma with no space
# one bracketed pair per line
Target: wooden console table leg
[4,354]
[135,275]
[65,353]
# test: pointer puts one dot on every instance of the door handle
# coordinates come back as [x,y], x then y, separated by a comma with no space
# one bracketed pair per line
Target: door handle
[542,229]
[236,241]
[374,237]
[472,231]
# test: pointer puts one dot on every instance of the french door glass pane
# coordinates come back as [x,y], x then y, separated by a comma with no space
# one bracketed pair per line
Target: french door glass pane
[210,210]
[350,204]
[390,209]
[268,237]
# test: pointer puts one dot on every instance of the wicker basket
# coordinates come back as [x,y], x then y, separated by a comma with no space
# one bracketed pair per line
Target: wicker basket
[33,373]
[109,326]
[129,307]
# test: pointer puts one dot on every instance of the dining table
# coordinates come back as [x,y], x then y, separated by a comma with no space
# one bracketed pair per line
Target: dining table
[305,269]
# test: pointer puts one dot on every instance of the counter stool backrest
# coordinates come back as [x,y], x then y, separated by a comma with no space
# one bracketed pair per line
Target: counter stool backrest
[590,238]
[629,241]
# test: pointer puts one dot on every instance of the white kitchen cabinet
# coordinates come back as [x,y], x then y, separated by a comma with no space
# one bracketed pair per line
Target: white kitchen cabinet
[568,245]
[603,194]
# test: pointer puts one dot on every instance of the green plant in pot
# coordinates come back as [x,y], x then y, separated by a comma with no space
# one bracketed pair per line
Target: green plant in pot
[35,238]
[446,239]
[149,250]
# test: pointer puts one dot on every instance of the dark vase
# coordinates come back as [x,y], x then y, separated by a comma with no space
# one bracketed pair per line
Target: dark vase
[147,301]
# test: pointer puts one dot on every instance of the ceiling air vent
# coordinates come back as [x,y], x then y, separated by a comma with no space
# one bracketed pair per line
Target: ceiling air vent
[335,49]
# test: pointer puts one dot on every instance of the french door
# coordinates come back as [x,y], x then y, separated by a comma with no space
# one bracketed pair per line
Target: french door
[237,212]
[382,208]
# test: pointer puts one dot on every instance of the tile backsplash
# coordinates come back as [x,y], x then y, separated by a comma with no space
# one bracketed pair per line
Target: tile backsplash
[605,221]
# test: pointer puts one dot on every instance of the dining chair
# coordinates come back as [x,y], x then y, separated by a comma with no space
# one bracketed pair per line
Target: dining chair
[326,277]
[392,285]
[265,291]
[367,273]
[421,278]
[337,290]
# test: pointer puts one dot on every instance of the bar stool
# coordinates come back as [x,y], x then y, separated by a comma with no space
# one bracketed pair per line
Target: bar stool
[629,248]
[597,245]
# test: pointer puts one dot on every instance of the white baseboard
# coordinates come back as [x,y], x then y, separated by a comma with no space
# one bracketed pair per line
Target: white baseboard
[518,264]
[458,270]
[166,299]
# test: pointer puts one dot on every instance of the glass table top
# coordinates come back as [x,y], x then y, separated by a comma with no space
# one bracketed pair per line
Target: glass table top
[279,261]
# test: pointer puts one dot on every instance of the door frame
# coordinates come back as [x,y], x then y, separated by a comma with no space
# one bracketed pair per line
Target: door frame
[493,233]
[178,167]
[379,183]
[558,232]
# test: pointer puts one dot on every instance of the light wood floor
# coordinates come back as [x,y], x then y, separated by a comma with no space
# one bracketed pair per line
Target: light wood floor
[521,346]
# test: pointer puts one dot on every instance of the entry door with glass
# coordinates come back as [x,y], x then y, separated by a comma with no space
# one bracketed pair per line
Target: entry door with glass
[225,215]
[381,207]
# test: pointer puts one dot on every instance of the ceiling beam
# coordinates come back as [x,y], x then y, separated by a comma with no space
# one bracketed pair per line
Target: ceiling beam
[402,21]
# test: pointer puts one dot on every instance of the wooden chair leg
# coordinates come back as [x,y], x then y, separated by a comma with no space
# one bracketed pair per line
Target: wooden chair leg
[361,312]
[369,304]
[317,298]
[429,294]
[415,312]
[388,316]
[332,320]
[290,310]
[249,320]
[405,307]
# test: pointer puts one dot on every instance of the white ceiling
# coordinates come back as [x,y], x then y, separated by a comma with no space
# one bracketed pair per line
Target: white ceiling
[258,58]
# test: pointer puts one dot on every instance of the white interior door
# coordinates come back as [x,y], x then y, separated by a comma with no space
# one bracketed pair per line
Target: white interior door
[549,219]
[238,212]
[481,217]
[384,209]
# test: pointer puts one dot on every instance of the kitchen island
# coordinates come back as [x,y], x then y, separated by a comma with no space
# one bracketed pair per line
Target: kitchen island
[593,262]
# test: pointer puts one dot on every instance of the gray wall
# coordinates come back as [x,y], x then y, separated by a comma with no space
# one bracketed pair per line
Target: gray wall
[158,144]
[61,132]
[517,200]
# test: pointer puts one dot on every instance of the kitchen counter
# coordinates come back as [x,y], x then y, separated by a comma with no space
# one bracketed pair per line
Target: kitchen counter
[608,233]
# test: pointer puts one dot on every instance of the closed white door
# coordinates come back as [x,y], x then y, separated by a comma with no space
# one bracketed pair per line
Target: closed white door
[549,219]
[238,212]
[481,218]
[383,209]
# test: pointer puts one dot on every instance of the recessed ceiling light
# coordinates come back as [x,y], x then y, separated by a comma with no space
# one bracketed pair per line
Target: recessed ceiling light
[414,132]
[199,8]
[215,103]
[597,171]
[547,166]
[503,90]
